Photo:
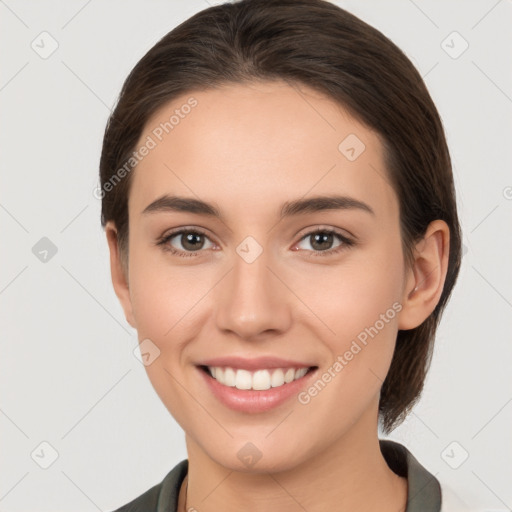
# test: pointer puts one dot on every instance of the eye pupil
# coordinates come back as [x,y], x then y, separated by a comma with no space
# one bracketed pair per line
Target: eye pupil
[324,241]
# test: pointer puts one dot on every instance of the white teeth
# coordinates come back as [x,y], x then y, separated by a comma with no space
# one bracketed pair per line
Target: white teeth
[289,375]
[300,373]
[243,379]
[277,378]
[259,380]
[229,377]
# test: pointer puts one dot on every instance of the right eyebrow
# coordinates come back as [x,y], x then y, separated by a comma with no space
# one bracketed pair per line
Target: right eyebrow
[167,203]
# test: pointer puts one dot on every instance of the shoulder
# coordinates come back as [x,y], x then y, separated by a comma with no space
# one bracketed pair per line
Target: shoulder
[162,496]
[451,502]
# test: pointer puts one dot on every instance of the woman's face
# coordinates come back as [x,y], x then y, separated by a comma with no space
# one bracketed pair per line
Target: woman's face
[254,288]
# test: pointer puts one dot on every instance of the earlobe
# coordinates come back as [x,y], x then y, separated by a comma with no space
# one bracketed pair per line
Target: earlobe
[425,280]
[119,273]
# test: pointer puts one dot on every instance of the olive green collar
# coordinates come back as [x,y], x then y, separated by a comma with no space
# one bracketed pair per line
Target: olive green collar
[423,495]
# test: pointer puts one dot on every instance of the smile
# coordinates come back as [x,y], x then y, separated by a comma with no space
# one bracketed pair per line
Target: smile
[258,380]
[255,384]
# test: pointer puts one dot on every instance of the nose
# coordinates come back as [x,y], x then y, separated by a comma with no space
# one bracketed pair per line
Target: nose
[252,301]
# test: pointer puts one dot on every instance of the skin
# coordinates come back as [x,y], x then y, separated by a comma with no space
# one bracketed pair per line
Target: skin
[248,149]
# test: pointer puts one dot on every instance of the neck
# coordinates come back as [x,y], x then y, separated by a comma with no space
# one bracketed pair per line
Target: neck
[350,475]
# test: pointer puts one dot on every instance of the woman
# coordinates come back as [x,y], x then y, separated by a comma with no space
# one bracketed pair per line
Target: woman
[281,217]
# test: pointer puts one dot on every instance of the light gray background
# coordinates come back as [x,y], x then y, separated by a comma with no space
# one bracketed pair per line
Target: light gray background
[68,373]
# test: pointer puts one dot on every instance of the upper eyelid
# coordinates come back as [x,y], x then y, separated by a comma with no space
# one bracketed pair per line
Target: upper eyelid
[321,228]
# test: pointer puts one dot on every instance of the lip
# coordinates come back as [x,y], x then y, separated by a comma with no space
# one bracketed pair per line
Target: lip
[256,363]
[252,401]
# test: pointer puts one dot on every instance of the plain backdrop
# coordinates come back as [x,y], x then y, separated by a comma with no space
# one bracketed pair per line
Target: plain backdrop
[73,395]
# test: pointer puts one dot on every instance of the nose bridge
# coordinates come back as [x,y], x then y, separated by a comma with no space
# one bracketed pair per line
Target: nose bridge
[252,300]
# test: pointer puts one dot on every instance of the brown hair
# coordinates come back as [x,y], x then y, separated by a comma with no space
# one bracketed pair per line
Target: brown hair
[317,44]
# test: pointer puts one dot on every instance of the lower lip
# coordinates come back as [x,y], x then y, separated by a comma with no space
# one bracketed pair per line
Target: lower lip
[253,401]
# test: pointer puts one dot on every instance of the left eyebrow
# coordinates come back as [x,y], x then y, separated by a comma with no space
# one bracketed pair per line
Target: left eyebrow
[167,203]
[319,203]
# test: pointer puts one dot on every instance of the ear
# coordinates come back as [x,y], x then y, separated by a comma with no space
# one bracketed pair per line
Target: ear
[119,273]
[425,280]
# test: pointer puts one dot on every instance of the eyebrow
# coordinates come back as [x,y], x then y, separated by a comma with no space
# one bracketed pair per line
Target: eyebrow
[167,203]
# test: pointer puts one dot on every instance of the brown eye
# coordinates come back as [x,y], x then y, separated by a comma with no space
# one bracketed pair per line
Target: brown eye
[323,242]
[185,242]
[191,241]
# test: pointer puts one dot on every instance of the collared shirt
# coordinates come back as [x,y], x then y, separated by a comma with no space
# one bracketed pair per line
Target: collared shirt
[423,495]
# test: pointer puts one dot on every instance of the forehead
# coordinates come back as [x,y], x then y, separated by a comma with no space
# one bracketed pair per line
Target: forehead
[254,145]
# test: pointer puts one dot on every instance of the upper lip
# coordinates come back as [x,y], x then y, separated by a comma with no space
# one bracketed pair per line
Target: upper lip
[255,363]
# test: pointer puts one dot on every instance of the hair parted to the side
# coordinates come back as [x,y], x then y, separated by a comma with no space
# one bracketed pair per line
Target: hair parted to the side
[317,44]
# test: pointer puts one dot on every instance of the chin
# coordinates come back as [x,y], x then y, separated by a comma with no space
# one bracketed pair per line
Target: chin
[257,457]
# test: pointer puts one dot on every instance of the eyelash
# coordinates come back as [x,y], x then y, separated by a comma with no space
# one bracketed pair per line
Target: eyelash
[346,242]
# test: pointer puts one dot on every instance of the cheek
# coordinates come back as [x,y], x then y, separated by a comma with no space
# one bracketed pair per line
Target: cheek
[161,295]
[359,303]
[163,303]
[353,295]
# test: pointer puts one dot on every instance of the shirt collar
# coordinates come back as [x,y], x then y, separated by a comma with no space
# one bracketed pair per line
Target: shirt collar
[423,489]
